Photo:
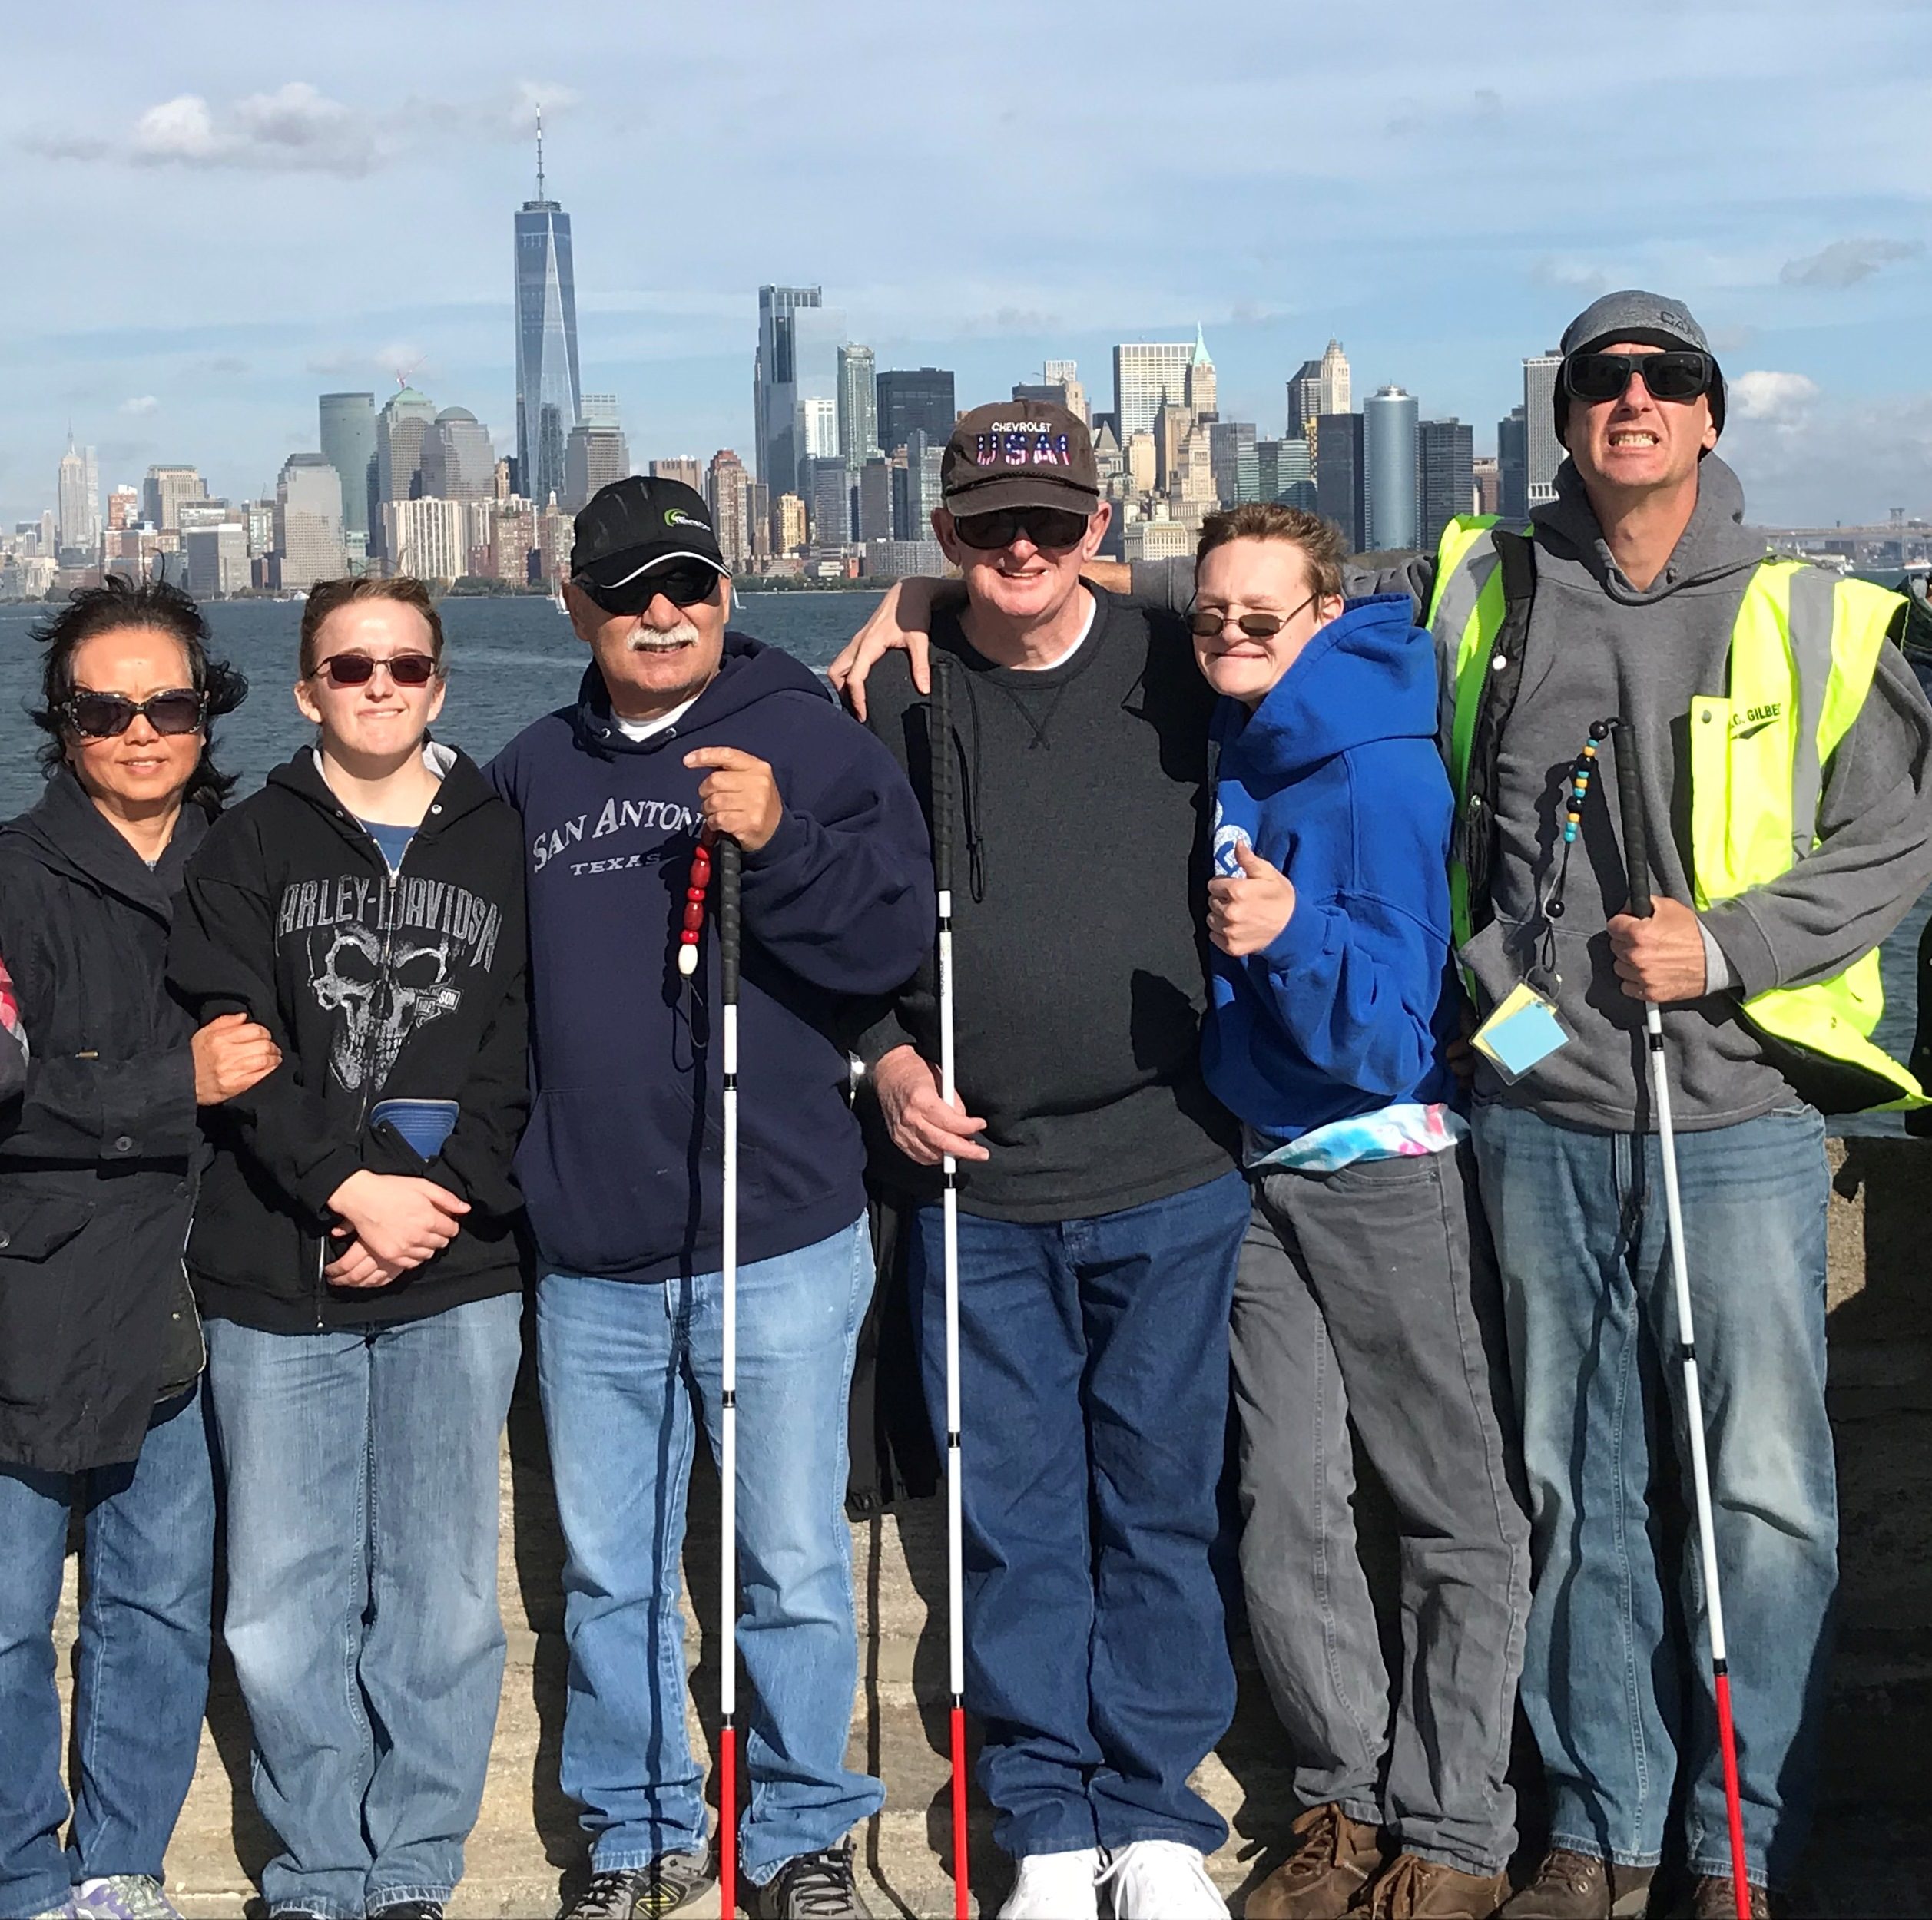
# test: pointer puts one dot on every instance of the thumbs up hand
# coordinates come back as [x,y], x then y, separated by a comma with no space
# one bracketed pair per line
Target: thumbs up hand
[1247,911]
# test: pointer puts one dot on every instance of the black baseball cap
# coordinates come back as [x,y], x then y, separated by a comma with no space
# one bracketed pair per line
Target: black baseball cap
[636,525]
[1019,453]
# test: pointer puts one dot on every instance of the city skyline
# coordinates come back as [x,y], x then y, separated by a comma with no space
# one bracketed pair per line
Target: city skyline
[292,217]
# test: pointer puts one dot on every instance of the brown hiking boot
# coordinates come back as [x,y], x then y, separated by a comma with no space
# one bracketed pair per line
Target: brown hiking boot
[1410,1888]
[1333,1860]
[1711,1899]
[1578,1886]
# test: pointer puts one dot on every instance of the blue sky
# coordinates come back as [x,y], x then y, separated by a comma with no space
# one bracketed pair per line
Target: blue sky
[216,212]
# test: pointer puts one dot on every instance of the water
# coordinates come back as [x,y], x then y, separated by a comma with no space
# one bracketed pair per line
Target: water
[513,658]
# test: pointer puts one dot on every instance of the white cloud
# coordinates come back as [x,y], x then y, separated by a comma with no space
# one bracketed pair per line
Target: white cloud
[141,403]
[1852,461]
[1780,397]
[296,129]
[1845,263]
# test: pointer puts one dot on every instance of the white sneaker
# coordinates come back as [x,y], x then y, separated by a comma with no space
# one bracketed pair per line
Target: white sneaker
[1162,1880]
[1055,1886]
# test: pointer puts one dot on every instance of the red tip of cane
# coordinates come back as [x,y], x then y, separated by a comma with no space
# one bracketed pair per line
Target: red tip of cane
[960,1903]
[1733,1800]
[728,1822]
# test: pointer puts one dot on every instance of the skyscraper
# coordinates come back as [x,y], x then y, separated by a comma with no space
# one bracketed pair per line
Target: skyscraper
[1202,394]
[458,461]
[548,392]
[596,453]
[1338,466]
[909,397]
[1148,376]
[1389,419]
[1512,465]
[80,500]
[406,416]
[682,467]
[308,522]
[728,490]
[163,492]
[830,500]
[1236,465]
[1445,469]
[875,491]
[1320,386]
[349,445]
[775,382]
[1544,450]
[858,405]
[1058,385]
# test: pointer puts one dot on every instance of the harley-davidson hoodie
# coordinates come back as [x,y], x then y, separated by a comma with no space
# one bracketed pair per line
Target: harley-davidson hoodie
[377,986]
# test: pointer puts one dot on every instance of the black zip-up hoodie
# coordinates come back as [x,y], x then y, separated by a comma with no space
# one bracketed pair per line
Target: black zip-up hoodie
[376,987]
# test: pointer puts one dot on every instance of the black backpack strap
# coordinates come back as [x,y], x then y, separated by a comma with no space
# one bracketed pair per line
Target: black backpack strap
[1495,699]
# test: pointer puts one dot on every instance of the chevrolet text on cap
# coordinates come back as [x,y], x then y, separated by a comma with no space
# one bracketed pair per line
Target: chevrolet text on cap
[637,523]
[1003,456]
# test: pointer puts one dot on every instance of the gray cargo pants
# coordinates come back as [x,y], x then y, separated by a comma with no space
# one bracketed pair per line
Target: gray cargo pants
[1367,1312]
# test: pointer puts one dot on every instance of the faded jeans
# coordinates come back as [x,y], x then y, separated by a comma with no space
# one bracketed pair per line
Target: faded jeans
[1366,1314]
[627,1368]
[1581,1235]
[362,1472]
[141,1680]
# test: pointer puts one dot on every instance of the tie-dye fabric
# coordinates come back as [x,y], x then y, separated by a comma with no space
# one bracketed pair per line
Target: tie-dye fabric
[1409,1127]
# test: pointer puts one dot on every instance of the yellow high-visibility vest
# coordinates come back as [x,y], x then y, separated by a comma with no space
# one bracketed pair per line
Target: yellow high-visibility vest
[1803,648]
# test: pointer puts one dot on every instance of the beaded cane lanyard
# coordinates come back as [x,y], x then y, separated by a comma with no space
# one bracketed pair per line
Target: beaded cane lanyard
[1550,905]
[697,883]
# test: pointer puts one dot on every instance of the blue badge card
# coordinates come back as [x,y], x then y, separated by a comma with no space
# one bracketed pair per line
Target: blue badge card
[1522,1033]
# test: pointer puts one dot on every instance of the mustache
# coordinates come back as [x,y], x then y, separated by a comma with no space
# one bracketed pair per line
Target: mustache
[685,630]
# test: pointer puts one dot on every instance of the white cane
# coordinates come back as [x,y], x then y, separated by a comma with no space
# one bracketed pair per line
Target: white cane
[940,743]
[728,940]
[1636,860]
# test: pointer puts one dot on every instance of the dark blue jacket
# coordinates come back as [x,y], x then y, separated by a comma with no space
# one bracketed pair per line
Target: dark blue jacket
[1336,779]
[620,1167]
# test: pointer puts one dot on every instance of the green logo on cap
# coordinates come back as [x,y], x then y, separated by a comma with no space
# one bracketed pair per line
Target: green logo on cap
[677,517]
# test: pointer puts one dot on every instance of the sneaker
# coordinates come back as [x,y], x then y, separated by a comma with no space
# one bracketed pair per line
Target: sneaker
[1162,1880]
[1055,1886]
[813,1886]
[1335,1857]
[1410,1888]
[1578,1886]
[125,1896]
[408,1910]
[671,1883]
[1712,1899]
[66,1910]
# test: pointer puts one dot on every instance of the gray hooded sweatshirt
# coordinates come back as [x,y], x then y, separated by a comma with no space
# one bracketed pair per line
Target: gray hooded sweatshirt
[1596,647]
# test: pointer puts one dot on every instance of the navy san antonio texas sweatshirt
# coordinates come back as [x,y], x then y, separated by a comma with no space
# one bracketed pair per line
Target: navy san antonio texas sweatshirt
[1335,779]
[620,1166]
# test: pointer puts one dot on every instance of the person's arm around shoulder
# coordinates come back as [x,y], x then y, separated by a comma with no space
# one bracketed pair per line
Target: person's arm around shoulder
[221,965]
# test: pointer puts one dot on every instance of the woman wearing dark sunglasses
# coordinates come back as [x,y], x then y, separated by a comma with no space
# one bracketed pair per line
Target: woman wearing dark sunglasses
[100,1354]
[356,1254]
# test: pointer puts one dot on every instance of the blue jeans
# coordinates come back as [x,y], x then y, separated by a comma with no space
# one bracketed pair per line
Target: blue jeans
[142,1681]
[622,1365]
[1093,1357]
[362,1469]
[1581,1236]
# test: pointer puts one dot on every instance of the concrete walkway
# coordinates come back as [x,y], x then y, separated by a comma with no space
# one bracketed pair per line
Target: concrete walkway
[1873,1853]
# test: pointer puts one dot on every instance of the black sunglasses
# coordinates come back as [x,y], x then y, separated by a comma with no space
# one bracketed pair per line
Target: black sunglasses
[1673,375]
[684,583]
[102,717]
[1052,529]
[357,670]
[1208,623]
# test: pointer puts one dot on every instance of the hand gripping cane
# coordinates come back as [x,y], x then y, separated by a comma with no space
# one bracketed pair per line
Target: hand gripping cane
[940,730]
[729,935]
[1636,860]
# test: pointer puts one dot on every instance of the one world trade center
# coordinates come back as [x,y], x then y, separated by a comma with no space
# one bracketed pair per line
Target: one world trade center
[548,397]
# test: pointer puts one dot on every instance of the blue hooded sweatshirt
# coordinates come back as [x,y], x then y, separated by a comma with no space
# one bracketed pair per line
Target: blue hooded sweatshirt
[620,1166]
[1336,779]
